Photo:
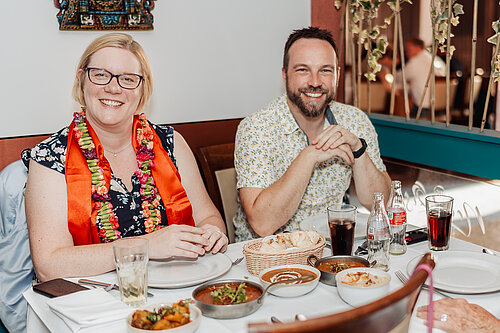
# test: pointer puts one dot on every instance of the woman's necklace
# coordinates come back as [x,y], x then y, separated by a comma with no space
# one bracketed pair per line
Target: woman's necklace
[119,151]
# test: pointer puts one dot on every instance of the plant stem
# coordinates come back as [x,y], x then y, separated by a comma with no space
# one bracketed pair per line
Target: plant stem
[473,66]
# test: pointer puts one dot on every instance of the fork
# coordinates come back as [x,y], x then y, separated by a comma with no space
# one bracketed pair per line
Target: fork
[402,277]
[237,261]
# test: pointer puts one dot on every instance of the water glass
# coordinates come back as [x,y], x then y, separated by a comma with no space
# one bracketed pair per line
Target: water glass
[131,259]
[439,209]
[341,221]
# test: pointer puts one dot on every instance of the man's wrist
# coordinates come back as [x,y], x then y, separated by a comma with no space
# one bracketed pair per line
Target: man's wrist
[361,150]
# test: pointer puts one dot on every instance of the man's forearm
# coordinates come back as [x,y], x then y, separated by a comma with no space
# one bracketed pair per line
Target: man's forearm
[272,207]
[368,179]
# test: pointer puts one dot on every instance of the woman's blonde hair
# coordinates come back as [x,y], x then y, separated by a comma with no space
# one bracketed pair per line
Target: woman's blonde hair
[122,41]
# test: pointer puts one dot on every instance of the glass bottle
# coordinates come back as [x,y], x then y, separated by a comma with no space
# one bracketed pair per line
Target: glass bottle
[378,234]
[396,212]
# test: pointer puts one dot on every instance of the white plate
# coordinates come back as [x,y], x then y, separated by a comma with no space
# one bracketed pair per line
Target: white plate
[320,224]
[184,273]
[464,272]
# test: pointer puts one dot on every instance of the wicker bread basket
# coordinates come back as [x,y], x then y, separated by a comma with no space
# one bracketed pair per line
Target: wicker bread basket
[257,261]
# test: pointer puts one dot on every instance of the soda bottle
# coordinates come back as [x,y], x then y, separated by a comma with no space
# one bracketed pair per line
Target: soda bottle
[397,219]
[378,233]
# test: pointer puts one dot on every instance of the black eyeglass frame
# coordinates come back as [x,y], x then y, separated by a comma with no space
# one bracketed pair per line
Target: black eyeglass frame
[141,78]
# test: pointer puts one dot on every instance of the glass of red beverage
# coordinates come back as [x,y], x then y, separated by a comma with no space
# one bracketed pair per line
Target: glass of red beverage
[341,221]
[439,208]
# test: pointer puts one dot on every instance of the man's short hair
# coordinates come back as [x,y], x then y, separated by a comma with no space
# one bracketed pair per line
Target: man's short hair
[310,33]
[417,42]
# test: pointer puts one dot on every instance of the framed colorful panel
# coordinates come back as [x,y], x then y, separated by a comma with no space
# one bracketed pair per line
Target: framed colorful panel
[105,14]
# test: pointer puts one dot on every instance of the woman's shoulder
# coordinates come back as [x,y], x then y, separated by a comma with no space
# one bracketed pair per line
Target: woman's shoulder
[52,151]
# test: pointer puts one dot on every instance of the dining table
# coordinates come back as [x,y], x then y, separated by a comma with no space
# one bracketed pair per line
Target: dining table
[323,300]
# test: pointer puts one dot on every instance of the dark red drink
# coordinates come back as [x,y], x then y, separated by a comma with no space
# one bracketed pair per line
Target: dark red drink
[342,236]
[439,229]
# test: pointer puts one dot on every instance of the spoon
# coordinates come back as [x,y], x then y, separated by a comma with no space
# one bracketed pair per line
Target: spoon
[303,278]
[488,251]
[373,263]
[300,317]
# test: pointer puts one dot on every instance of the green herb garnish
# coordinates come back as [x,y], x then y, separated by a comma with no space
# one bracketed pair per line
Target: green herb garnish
[229,295]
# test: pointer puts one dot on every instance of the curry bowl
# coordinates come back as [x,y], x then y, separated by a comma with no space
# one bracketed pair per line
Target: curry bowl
[194,313]
[212,298]
[285,272]
[332,265]
[362,285]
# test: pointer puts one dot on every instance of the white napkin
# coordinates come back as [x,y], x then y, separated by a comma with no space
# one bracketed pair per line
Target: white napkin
[89,308]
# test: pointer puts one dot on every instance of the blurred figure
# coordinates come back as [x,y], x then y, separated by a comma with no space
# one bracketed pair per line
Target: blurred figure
[416,71]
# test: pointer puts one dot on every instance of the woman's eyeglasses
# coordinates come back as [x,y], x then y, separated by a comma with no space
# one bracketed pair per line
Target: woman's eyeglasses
[103,77]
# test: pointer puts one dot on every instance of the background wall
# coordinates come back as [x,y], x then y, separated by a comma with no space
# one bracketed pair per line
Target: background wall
[215,59]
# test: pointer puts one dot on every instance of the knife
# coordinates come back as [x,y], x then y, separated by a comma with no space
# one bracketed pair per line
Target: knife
[103,284]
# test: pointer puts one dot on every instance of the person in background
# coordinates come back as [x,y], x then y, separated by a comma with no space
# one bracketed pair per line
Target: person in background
[457,316]
[112,174]
[416,70]
[298,155]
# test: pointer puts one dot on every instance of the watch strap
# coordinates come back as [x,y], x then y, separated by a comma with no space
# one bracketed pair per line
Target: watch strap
[361,150]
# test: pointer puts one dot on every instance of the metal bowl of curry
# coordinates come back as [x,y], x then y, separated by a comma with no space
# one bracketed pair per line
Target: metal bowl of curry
[227,299]
[330,266]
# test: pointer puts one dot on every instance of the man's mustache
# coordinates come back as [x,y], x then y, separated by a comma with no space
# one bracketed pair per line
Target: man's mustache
[313,90]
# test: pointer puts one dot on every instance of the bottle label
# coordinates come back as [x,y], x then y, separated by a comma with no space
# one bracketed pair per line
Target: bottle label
[378,234]
[397,218]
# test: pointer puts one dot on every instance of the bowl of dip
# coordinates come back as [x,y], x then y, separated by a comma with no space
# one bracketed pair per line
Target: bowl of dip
[285,272]
[362,285]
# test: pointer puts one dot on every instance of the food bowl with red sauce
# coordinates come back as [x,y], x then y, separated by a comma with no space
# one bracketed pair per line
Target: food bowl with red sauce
[223,299]
[330,266]
[362,285]
[285,272]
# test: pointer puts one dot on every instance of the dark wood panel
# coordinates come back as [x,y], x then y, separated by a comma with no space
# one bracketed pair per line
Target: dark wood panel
[197,134]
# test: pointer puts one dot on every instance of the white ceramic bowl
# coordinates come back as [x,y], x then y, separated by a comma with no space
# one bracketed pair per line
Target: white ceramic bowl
[360,295]
[194,313]
[291,290]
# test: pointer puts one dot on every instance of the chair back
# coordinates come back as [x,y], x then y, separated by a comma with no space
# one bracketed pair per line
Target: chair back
[478,80]
[226,180]
[440,95]
[391,313]
[378,95]
[220,158]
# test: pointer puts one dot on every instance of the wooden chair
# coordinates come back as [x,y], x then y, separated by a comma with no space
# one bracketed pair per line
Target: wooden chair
[217,167]
[440,95]
[379,96]
[391,313]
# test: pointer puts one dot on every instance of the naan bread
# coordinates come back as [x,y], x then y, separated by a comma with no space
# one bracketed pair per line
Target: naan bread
[296,239]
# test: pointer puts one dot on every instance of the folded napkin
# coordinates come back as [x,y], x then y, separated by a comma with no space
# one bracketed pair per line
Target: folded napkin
[89,308]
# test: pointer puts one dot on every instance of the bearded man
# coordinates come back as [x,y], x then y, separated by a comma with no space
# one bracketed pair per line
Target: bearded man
[298,155]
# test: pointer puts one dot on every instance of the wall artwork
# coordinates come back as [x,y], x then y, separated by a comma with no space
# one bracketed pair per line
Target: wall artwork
[105,14]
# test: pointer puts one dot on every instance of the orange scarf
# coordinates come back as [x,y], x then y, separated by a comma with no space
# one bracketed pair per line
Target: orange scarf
[81,208]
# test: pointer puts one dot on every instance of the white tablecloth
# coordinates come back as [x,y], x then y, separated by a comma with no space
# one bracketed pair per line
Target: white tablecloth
[323,300]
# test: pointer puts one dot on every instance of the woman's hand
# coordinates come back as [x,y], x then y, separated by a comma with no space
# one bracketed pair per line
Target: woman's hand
[457,315]
[177,240]
[217,239]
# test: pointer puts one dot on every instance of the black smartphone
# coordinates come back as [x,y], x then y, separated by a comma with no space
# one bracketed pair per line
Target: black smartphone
[416,236]
[57,287]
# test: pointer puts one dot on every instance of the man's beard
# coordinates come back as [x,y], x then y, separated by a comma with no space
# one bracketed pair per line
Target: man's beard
[312,109]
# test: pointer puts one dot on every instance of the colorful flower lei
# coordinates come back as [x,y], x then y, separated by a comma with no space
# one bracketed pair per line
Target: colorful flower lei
[106,221]
[149,193]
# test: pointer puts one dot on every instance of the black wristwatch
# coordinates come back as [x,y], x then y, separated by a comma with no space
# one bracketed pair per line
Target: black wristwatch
[361,150]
